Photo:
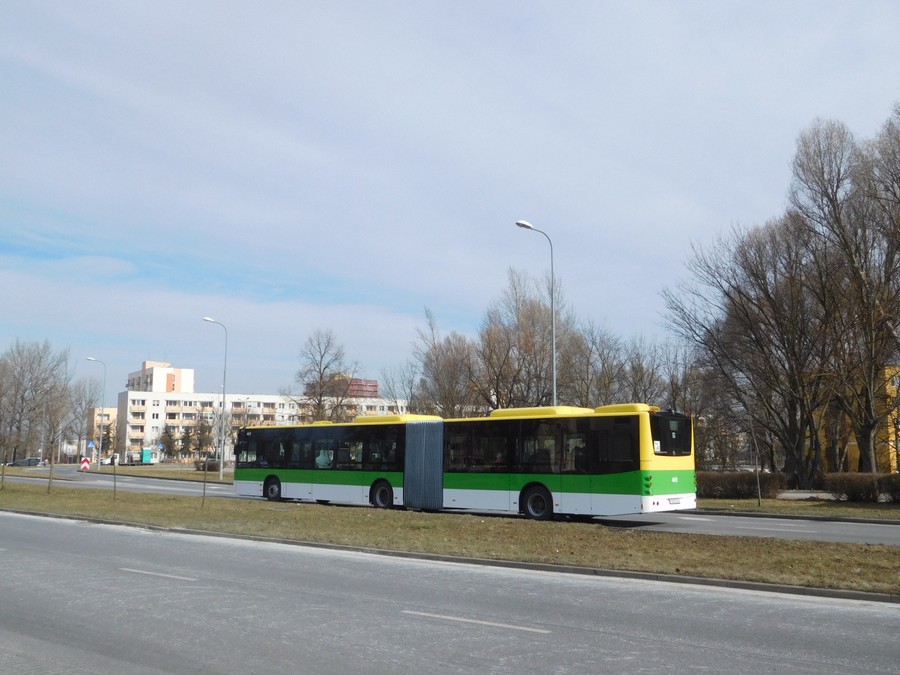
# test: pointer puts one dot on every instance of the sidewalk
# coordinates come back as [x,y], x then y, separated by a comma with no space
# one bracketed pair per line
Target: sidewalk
[802,495]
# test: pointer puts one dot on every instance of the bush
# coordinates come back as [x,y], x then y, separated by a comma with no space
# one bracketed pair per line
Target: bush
[211,464]
[889,487]
[738,484]
[854,487]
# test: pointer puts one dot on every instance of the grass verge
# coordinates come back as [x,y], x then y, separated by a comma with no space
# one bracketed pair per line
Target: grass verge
[857,567]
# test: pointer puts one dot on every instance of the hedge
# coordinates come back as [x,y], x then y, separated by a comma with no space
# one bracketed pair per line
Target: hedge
[863,487]
[852,487]
[739,484]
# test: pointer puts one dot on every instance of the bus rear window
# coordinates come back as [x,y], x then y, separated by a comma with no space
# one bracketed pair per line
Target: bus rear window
[671,434]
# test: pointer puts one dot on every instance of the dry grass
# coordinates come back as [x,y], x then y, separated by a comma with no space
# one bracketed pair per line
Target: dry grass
[815,564]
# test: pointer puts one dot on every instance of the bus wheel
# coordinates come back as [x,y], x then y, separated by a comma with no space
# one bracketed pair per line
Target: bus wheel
[537,503]
[382,495]
[272,490]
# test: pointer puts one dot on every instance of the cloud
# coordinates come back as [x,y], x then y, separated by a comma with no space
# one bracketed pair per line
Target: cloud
[286,167]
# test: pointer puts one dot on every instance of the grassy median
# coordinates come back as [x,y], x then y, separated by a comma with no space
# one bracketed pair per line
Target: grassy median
[858,567]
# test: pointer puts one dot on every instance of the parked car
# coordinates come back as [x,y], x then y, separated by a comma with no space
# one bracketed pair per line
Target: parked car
[25,461]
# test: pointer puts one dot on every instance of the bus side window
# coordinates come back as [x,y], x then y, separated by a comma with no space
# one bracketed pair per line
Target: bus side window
[247,454]
[307,455]
[372,455]
[324,454]
[456,451]
[343,455]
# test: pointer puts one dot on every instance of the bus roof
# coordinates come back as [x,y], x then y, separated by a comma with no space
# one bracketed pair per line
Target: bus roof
[500,413]
[620,408]
[395,419]
[543,411]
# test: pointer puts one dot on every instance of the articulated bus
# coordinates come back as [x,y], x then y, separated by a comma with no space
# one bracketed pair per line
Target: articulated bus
[612,460]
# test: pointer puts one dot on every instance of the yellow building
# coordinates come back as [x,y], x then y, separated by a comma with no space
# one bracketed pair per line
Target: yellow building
[840,447]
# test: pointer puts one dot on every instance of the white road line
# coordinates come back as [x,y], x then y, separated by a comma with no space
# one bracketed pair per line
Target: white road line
[771,529]
[480,623]
[157,574]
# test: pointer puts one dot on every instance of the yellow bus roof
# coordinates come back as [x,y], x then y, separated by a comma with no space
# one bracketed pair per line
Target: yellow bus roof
[501,413]
[620,408]
[541,411]
[394,419]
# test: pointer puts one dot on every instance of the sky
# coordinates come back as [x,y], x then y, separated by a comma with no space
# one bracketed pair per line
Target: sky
[290,166]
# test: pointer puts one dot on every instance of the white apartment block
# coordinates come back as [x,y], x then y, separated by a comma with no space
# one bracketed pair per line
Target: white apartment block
[159,395]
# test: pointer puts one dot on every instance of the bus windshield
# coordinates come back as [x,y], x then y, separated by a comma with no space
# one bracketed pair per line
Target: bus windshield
[671,433]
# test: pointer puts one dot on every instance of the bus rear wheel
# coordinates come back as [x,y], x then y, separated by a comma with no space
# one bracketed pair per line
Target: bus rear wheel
[537,503]
[382,496]
[272,490]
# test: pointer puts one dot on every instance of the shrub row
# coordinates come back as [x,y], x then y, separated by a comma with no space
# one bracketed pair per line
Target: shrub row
[863,487]
[211,464]
[852,487]
[738,484]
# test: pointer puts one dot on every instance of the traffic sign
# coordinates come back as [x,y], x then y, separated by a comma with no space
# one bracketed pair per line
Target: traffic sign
[85,464]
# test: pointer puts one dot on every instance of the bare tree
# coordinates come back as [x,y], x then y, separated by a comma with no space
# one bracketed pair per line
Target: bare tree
[324,377]
[84,395]
[403,384]
[642,373]
[446,369]
[590,367]
[34,374]
[513,355]
[765,334]
[846,201]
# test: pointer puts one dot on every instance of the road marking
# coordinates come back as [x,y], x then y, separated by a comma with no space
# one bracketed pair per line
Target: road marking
[157,574]
[771,529]
[696,518]
[480,623]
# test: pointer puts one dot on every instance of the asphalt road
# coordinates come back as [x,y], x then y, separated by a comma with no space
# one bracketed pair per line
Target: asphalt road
[698,522]
[79,598]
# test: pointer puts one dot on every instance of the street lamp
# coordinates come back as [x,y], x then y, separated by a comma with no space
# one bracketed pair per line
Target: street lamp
[224,371]
[102,406]
[528,226]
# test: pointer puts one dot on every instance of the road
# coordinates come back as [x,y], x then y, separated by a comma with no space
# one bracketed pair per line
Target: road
[698,522]
[83,598]
[688,522]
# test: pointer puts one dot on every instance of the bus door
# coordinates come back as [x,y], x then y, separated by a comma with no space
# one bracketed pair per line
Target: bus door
[576,464]
[612,462]
[285,454]
[338,460]
[325,456]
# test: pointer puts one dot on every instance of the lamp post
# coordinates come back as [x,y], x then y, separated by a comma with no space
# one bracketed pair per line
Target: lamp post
[224,371]
[102,406]
[528,226]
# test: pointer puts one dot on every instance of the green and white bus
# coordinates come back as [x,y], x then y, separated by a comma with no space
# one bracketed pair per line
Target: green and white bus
[612,460]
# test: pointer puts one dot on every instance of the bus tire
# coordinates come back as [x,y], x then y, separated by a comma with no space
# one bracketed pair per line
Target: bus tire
[537,503]
[382,495]
[272,490]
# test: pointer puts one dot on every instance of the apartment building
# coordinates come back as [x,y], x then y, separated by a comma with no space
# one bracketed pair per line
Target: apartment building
[159,396]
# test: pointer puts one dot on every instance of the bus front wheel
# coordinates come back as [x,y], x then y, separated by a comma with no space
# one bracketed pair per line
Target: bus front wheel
[382,496]
[272,490]
[537,503]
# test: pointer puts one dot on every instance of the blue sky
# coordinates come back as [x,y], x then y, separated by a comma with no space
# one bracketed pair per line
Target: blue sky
[289,166]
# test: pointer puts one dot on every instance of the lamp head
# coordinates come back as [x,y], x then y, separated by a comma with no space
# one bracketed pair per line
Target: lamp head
[525,224]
